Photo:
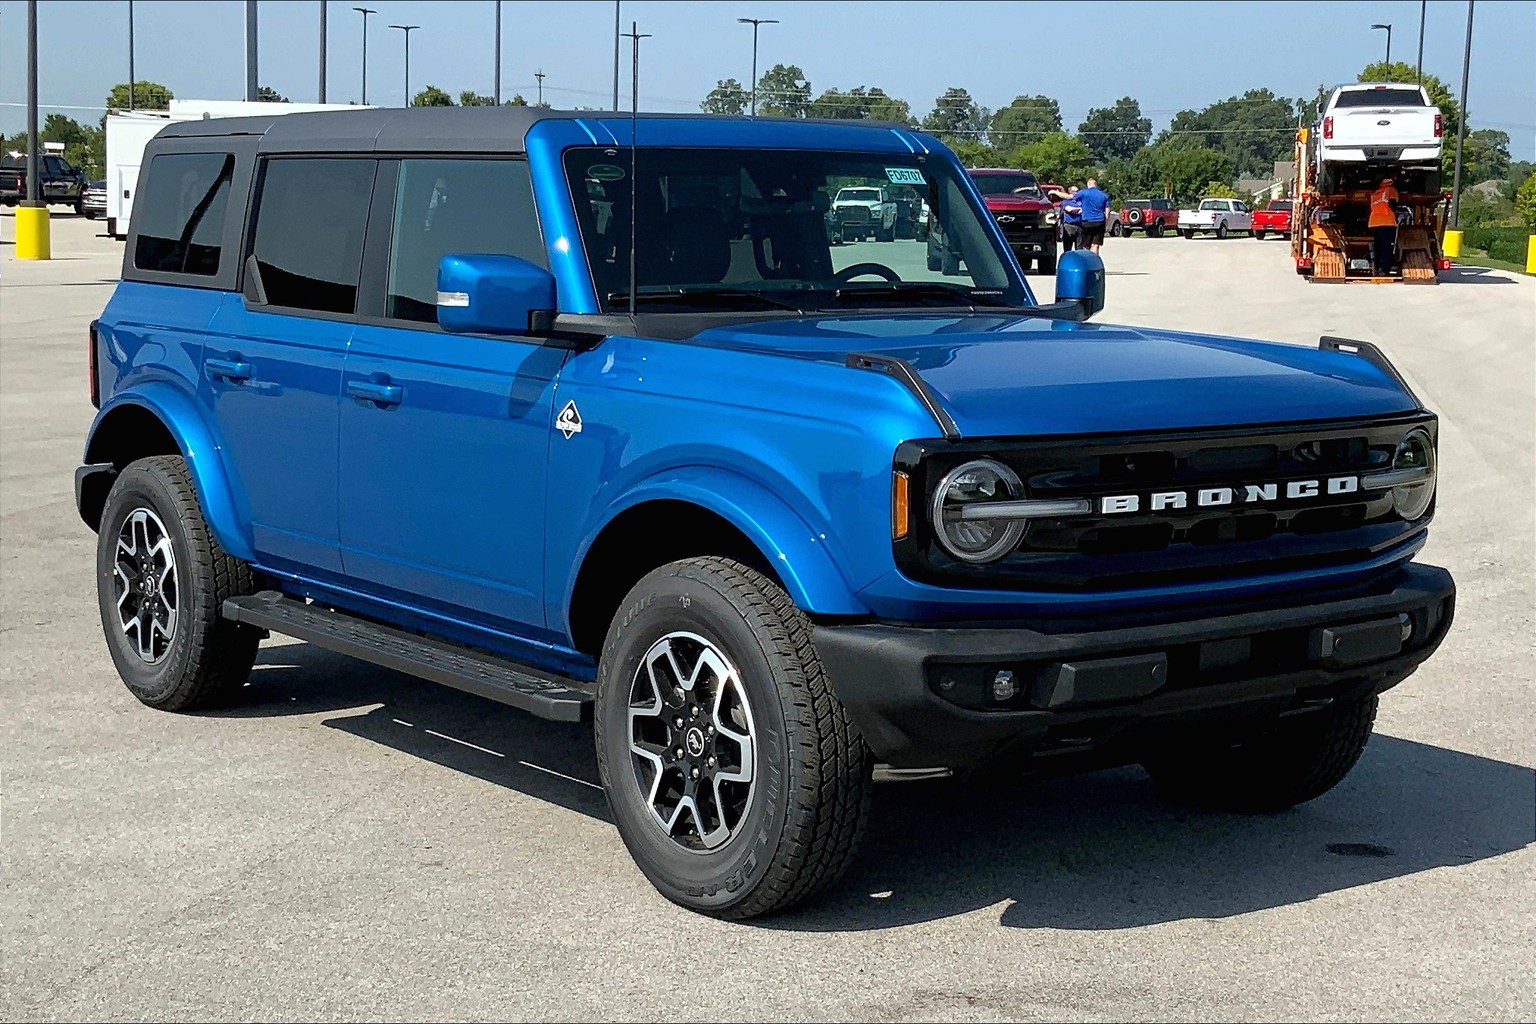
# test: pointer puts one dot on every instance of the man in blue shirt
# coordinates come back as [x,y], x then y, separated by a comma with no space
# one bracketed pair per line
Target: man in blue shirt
[1094,202]
[1071,217]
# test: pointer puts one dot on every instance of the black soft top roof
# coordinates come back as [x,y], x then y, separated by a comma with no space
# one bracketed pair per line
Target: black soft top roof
[413,129]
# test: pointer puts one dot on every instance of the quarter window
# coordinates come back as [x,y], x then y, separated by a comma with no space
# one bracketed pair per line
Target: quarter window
[310,224]
[179,217]
[445,206]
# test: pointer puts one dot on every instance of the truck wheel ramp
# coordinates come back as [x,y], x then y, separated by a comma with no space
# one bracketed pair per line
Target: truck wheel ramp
[485,675]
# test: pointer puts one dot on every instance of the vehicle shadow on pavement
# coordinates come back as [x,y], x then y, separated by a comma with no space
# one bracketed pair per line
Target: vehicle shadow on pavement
[1104,851]
[1475,275]
[1101,851]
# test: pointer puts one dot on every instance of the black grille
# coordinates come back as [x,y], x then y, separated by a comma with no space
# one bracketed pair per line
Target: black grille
[1015,221]
[853,214]
[1143,548]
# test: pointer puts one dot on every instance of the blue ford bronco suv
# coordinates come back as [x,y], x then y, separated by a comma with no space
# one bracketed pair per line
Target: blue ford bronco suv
[586,414]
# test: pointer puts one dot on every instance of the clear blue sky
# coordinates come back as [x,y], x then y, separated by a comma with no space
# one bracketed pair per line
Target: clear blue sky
[912,49]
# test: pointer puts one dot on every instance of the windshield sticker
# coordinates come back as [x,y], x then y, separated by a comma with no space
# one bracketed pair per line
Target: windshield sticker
[905,176]
[605,172]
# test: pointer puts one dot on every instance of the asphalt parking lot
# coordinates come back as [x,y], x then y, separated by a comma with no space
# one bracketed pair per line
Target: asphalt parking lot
[350,843]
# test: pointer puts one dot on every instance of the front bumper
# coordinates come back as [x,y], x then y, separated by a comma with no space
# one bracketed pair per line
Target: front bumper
[923,697]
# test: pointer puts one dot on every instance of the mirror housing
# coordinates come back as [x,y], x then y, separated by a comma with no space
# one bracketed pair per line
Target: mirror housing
[1080,279]
[492,294]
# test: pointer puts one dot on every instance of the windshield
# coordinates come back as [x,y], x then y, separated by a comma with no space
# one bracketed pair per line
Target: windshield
[1380,98]
[858,195]
[1213,204]
[718,228]
[1022,183]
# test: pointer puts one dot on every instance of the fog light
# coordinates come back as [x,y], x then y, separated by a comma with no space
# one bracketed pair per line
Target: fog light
[1003,686]
[1405,626]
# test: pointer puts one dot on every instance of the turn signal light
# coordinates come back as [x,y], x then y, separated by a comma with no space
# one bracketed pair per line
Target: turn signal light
[901,505]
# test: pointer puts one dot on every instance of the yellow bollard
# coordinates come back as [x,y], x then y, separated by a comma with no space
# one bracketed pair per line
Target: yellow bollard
[1452,244]
[1530,255]
[32,241]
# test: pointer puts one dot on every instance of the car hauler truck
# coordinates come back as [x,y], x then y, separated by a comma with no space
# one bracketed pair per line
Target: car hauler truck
[1331,238]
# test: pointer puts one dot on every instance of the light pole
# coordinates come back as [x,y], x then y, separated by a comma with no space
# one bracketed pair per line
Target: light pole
[616,56]
[755,22]
[635,34]
[364,11]
[252,89]
[130,55]
[32,235]
[1418,69]
[496,89]
[1389,40]
[322,51]
[539,74]
[407,29]
[1461,124]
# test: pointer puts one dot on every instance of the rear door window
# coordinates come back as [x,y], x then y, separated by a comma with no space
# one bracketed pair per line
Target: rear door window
[179,215]
[446,206]
[310,221]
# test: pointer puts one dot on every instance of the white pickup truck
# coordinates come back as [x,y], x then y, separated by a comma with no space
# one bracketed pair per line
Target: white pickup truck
[864,212]
[1218,216]
[1380,122]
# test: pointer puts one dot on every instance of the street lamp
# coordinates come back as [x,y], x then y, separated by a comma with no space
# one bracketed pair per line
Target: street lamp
[755,22]
[364,11]
[496,88]
[1419,67]
[1461,122]
[130,55]
[539,74]
[1389,40]
[407,29]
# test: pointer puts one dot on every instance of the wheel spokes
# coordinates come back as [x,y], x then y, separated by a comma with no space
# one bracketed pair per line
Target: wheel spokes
[145,581]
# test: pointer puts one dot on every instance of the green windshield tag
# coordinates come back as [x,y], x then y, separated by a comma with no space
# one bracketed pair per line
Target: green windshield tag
[605,172]
[905,176]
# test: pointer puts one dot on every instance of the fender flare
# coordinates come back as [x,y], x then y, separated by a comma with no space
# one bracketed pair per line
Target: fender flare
[181,417]
[797,552]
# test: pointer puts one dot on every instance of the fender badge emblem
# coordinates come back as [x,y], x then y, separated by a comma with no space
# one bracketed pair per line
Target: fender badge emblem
[569,420]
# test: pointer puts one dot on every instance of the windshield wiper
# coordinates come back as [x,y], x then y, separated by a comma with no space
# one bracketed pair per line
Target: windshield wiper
[723,297]
[934,291]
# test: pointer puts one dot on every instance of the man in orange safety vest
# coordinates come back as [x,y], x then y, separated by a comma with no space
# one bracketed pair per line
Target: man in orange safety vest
[1383,225]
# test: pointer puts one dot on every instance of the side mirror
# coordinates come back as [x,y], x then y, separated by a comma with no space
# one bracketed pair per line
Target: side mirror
[1080,279]
[487,294]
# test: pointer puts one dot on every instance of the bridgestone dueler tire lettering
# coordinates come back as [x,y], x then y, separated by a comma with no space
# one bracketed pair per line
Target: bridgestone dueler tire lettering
[807,814]
[209,658]
[1297,760]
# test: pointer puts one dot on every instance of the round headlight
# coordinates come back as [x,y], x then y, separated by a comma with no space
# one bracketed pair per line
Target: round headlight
[1415,453]
[970,539]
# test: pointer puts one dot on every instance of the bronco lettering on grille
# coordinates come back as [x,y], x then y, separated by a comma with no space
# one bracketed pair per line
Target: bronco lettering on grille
[1239,494]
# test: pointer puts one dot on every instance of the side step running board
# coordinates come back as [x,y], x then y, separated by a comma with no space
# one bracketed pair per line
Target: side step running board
[539,693]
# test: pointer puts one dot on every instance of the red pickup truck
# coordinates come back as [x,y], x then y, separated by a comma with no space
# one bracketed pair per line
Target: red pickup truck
[1275,217]
[1154,216]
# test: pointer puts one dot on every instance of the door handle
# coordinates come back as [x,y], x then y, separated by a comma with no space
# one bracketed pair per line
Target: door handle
[230,369]
[374,391]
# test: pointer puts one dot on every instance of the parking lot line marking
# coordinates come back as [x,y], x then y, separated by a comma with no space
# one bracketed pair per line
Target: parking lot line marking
[559,775]
[463,743]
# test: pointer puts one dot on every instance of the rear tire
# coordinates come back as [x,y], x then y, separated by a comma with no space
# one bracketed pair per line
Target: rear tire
[1256,233]
[1295,760]
[1048,263]
[1155,229]
[1221,230]
[157,559]
[1190,233]
[742,847]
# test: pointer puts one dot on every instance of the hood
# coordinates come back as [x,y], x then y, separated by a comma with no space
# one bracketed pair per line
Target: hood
[1005,375]
[998,204]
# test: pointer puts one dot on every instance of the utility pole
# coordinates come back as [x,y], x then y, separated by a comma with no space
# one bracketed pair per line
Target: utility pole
[252,90]
[1419,67]
[616,56]
[496,91]
[1461,125]
[32,239]
[407,29]
[364,11]
[635,34]
[322,51]
[755,22]
[131,79]
[539,74]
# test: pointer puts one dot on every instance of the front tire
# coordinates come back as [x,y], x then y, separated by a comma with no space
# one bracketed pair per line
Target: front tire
[735,777]
[1296,760]
[161,578]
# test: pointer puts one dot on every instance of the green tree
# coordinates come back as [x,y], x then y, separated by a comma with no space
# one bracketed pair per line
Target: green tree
[972,153]
[1219,190]
[888,108]
[1525,201]
[1178,168]
[267,94]
[58,128]
[146,96]
[1253,130]
[957,117]
[1055,157]
[1024,120]
[1116,132]
[783,91]
[470,98]
[727,97]
[1486,157]
[432,96]
[516,101]
[852,105]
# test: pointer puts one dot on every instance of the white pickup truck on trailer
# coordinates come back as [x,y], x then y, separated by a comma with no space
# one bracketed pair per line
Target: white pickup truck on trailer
[1380,122]
[128,132]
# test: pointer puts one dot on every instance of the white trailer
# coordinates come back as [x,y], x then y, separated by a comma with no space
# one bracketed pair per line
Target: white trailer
[128,132]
